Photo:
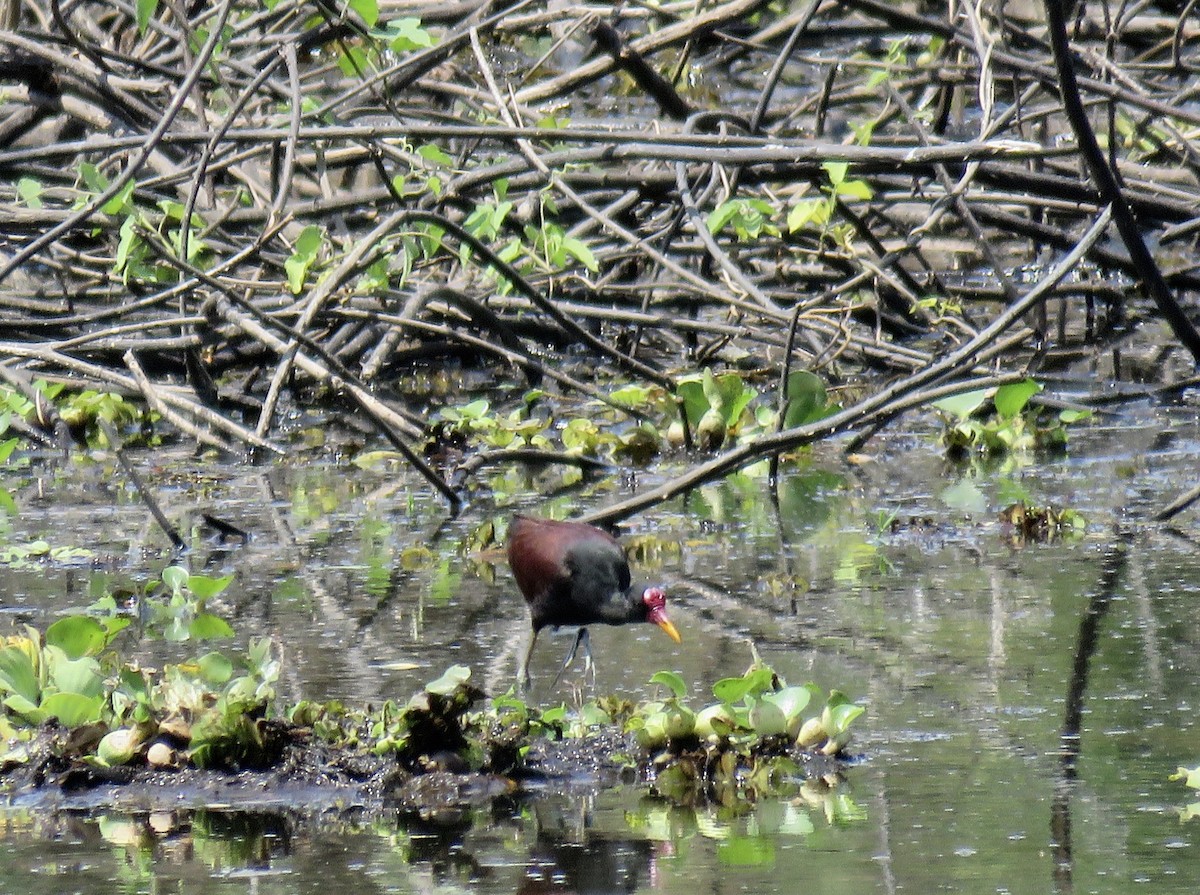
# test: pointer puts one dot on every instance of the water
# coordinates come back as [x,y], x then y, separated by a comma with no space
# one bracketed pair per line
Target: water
[962,643]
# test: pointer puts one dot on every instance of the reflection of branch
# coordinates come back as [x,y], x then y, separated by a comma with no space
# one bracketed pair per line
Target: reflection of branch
[1112,569]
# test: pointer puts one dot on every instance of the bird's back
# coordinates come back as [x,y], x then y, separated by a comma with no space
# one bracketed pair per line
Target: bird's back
[570,573]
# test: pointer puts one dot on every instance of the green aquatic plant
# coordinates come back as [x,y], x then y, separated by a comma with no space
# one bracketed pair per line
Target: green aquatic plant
[1189,777]
[1001,421]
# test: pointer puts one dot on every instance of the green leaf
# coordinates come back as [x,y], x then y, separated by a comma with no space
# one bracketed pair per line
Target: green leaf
[77,635]
[841,717]
[1069,415]
[963,404]
[215,668]
[671,681]
[631,395]
[175,577]
[580,251]
[1011,399]
[836,171]
[18,675]
[118,203]
[73,709]
[807,401]
[27,709]
[722,215]
[691,390]
[205,587]
[66,675]
[368,9]
[304,255]
[30,191]
[807,211]
[207,626]
[734,689]
[855,189]
[144,13]
[407,34]
[435,154]
[1189,776]
[93,178]
[454,677]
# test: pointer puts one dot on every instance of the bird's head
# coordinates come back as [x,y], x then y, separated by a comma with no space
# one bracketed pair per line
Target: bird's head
[655,599]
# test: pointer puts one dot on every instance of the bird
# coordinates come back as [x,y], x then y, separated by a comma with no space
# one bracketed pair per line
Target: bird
[574,574]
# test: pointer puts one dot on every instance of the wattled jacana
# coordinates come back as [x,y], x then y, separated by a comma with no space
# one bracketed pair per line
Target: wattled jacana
[576,574]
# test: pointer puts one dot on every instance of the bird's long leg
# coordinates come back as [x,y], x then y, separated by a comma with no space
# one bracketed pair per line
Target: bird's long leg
[580,638]
[523,667]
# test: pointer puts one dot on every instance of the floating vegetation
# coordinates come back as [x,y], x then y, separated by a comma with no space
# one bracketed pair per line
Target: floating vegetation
[1190,777]
[1002,420]
[70,701]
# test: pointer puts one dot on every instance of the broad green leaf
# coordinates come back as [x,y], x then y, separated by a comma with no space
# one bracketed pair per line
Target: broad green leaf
[631,395]
[73,709]
[207,626]
[807,401]
[671,681]
[454,677]
[67,675]
[206,587]
[368,9]
[18,675]
[25,708]
[734,689]
[855,189]
[30,191]
[1189,776]
[1011,399]
[842,716]
[215,668]
[77,635]
[175,577]
[118,203]
[836,171]
[722,215]
[695,403]
[807,211]
[435,154]
[963,404]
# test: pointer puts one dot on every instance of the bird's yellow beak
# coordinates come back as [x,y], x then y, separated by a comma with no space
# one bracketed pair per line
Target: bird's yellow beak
[660,619]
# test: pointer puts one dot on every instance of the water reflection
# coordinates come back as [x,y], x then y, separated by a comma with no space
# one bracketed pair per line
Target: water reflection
[965,644]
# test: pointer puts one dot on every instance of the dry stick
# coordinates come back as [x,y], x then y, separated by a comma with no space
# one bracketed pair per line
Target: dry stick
[520,358]
[46,414]
[607,223]
[1110,190]
[865,412]
[111,379]
[210,148]
[151,394]
[389,422]
[644,46]
[160,517]
[150,145]
[612,143]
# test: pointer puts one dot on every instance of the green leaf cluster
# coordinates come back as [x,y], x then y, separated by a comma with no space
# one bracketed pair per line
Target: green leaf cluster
[1002,421]
[750,709]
